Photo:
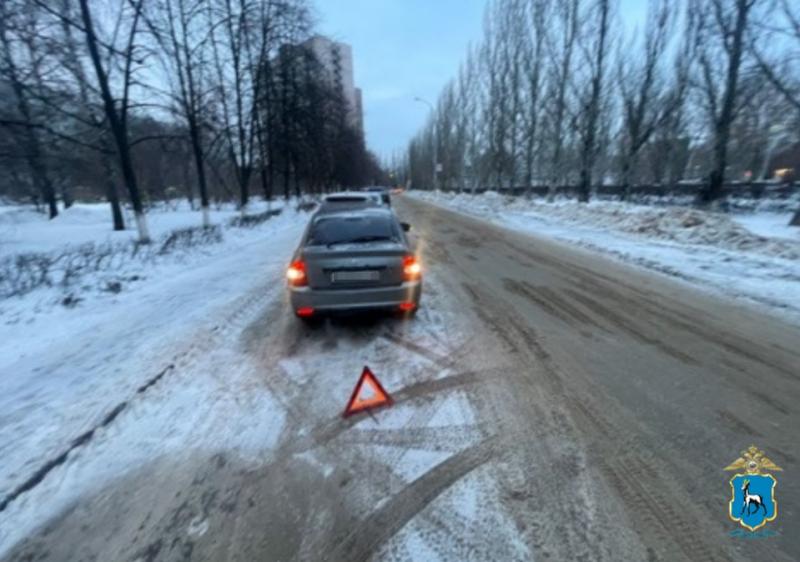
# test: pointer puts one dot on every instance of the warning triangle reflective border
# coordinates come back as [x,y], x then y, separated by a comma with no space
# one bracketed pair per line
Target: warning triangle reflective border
[367,394]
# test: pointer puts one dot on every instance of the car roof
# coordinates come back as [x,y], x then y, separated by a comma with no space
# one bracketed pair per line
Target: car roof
[347,201]
[343,196]
[359,212]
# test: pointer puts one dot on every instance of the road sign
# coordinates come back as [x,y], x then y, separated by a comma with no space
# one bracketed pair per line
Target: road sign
[367,394]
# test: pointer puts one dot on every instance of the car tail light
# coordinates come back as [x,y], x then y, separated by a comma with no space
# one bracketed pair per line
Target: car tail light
[407,306]
[412,270]
[305,311]
[296,274]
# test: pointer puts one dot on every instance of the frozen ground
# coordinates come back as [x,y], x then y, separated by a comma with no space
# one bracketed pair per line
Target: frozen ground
[771,225]
[22,229]
[191,415]
[754,257]
[66,370]
[199,361]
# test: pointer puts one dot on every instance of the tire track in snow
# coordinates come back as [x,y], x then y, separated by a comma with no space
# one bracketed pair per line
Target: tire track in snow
[243,307]
[387,520]
[83,439]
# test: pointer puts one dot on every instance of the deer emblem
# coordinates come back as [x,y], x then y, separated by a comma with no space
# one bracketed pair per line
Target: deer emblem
[753,510]
[751,500]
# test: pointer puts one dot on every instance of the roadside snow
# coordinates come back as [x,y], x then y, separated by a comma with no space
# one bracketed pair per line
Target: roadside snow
[65,369]
[24,230]
[771,225]
[750,257]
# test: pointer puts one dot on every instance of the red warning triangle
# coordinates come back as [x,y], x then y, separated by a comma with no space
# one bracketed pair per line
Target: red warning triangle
[367,394]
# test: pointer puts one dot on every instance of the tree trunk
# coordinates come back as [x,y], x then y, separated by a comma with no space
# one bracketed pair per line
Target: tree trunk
[723,122]
[244,186]
[200,169]
[116,209]
[37,167]
[113,197]
[41,178]
[625,191]
[116,124]
[589,149]
[266,183]
[584,187]
[713,189]
[66,197]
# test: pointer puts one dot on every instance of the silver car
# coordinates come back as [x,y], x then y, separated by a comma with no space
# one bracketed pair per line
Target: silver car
[349,200]
[354,260]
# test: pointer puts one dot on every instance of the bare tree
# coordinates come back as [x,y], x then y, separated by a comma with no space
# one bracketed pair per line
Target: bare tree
[595,48]
[781,68]
[539,19]
[722,36]
[244,35]
[18,33]
[117,109]
[561,47]
[180,28]
[646,101]
[91,115]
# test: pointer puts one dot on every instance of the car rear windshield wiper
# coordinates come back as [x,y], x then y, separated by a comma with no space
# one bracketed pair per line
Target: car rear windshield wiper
[361,239]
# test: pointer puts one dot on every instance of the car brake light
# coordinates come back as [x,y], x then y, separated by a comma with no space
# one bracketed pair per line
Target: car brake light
[411,268]
[407,306]
[296,274]
[305,311]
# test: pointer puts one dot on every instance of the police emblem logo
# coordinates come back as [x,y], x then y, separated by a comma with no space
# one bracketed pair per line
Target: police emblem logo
[753,502]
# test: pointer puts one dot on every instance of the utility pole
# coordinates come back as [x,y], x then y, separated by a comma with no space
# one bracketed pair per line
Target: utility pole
[435,145]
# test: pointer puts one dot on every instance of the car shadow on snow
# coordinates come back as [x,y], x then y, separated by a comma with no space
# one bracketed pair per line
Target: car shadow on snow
[355,327]
[277,332]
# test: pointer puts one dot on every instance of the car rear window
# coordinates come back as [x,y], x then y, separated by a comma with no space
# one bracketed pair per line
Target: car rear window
[346,198]
[352,229]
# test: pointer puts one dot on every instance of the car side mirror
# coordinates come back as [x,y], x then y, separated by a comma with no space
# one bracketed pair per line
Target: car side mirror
[405,226]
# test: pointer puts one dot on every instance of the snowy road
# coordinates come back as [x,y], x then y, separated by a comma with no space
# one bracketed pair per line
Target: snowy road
[550,404]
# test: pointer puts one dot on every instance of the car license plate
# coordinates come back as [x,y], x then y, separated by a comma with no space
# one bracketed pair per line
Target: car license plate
[366,275]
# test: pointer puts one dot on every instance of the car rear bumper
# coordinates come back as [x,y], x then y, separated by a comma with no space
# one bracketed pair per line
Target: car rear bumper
[355,299]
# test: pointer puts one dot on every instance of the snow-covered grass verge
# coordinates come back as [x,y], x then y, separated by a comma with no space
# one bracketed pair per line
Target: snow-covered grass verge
[65,371]
[66,267]
[23,230]
[754,257]
[60,264]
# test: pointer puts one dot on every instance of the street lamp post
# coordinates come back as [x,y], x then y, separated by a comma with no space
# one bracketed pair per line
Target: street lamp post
[435,143]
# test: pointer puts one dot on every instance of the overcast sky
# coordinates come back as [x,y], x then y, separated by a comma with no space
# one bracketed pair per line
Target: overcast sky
[408,48]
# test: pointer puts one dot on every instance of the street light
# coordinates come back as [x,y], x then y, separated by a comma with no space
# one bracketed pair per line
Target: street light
[435,143]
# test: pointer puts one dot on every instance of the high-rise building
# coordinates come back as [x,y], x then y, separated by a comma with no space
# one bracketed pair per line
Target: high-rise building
[337,59]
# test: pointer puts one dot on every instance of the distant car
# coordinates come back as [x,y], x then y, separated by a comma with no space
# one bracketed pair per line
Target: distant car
[382,192]
[354,260]
[348,200]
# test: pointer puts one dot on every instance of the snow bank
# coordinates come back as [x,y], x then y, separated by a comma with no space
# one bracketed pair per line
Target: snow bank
[76,254]
[679,224]
[22,229]
[82,275]
[687,226]
[752,256]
